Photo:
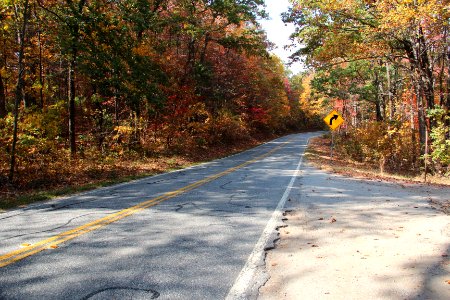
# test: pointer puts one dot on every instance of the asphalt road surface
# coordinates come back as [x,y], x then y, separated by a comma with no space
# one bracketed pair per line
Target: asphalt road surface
[198,233]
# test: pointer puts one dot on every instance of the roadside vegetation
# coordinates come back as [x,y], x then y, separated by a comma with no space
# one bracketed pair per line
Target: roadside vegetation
[93,91]
[86,174]
[385,67]
[319,155]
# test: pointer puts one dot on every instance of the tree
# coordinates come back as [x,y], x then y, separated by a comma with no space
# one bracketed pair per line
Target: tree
[70,18]
[19,94]
[385,33]
[111,78]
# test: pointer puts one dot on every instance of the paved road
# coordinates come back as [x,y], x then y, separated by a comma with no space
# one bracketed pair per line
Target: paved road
[189,234]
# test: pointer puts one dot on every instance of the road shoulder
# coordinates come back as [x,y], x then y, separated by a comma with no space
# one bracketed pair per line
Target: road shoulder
[360,239]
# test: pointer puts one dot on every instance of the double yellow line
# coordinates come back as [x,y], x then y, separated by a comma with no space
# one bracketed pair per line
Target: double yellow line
[54,241]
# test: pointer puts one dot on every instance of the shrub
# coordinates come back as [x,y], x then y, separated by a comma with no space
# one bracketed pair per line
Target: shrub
[440,139]
[392,146]
[228,128]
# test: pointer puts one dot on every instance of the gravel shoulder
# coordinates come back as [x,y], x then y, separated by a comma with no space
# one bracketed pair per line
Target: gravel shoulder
[349,238]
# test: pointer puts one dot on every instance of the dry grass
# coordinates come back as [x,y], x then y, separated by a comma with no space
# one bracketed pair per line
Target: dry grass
[318,153]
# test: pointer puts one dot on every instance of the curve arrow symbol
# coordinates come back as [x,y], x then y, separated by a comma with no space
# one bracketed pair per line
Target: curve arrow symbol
[335,117]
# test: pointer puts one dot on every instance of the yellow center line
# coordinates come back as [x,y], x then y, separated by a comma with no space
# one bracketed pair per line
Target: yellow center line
[16,255]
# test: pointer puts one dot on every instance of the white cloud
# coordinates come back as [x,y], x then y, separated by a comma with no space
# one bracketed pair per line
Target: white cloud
[278,32]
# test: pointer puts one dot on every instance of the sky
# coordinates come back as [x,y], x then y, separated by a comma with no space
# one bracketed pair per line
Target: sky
[278,32]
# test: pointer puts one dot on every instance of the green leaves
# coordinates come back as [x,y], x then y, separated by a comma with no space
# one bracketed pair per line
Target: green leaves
[440,135]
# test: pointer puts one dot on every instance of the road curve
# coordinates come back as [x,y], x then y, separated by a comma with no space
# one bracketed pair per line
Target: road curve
[197,233]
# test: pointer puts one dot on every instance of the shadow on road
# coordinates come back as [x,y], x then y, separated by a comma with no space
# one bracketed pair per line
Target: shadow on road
[358,239]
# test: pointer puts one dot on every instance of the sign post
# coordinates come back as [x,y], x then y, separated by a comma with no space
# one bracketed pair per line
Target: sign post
[333,120]
[332,144]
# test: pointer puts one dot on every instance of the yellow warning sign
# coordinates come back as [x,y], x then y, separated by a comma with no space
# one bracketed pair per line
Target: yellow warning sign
[334,120]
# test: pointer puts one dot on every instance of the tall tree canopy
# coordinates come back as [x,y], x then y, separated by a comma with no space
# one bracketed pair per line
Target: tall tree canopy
[107,78]
[393,56]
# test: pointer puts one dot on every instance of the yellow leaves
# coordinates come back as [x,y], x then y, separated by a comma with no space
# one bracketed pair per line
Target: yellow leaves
[342,4]
[407,13]
[5,3]
[6,14]
[36,85]
[144,50]
[123,129]
[310,104]
[393,16]
[3,72]
[399,17]
[304,97]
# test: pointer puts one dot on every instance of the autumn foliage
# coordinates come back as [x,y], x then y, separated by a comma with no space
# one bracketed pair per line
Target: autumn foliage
[385,65]
[92,81]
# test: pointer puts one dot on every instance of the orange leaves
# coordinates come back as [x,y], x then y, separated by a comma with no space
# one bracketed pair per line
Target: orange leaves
[144,50]
[147,74]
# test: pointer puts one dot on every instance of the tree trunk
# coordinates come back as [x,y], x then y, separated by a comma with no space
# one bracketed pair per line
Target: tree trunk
[205,47]
[389,92]
[379,101]
[72,133]
[378,112]
[421,115]
[413,51]
[3,111]
[19,94]
[448,75]
[425,69]
[41,81]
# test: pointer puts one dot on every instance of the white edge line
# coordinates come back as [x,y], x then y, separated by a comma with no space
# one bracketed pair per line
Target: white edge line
[242,283]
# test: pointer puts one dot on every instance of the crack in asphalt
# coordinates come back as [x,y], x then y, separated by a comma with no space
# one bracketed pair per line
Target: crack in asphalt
[210,212]
[154,294]
[227,183]
[182,205]
[51,229]
[238,204]
[53,207]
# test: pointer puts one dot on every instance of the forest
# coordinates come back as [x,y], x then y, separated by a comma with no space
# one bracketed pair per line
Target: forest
[385,65]
[89,83]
